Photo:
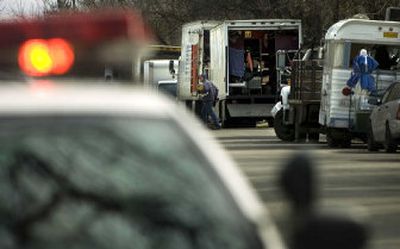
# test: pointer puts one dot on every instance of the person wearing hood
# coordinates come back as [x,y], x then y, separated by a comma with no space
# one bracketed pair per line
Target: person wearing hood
[363,66]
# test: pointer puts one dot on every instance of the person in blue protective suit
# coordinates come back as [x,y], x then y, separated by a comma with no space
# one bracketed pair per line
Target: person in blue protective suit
[363,66]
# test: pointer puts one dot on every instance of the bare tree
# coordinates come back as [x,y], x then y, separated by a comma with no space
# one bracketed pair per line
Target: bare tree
[167,16]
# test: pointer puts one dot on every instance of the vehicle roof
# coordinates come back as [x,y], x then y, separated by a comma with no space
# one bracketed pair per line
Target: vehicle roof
[42,97]
[206,24]
[363,29]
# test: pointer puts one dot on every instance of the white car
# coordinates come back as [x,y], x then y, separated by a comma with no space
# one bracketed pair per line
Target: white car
[385,121]
[101,167]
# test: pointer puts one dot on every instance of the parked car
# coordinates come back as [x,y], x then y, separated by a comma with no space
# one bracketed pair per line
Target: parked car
[385,121]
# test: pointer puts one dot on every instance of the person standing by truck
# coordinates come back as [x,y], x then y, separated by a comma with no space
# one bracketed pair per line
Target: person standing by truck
[209,94]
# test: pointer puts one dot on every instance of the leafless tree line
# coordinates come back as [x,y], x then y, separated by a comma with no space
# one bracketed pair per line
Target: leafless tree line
[167,16]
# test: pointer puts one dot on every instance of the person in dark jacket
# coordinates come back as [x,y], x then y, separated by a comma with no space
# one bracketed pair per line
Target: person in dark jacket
[208,96]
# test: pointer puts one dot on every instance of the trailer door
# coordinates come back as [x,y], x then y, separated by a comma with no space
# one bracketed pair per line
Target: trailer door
[218,59]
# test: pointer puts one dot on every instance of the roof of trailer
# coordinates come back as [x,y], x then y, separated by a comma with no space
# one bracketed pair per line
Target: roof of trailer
[364,29]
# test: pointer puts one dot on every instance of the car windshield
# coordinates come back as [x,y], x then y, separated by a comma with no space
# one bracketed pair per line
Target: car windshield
[111,182]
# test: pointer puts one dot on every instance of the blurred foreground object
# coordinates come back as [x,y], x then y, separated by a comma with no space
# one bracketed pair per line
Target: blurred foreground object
[114,167]
[78,44]
[311,227]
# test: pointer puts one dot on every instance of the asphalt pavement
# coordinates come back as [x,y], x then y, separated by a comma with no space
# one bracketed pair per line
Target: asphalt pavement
[351,181]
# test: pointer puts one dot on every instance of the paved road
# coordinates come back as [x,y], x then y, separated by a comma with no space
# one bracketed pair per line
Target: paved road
[367,182]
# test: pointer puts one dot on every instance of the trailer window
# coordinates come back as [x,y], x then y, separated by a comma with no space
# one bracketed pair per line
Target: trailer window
[338,55]
[355,50]
[386,55]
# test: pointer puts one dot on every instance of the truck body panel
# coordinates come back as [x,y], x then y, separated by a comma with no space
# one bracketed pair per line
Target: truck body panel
[218,58]
[336,109]
[193,56]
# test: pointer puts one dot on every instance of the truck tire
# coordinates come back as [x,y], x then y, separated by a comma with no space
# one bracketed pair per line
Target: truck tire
[283,132]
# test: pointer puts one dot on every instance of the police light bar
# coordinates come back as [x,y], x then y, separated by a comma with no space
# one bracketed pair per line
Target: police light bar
[61,43]
[88,28]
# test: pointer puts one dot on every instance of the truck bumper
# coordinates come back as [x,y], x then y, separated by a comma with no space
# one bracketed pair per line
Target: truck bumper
[250,110]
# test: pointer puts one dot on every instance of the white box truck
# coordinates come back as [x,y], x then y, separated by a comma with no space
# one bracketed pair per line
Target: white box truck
[239,56]
[243,64]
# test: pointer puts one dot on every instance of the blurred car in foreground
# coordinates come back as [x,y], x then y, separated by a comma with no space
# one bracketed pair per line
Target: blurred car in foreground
[116,168]
[385,121]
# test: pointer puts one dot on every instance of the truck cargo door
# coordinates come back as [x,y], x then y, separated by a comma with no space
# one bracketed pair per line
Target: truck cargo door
[218,59]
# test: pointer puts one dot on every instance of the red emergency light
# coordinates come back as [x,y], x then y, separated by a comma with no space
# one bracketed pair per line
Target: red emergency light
[39,57]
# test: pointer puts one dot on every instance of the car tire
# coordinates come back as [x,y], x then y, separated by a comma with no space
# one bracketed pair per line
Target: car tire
[390,145]
[283,132]
[371,144]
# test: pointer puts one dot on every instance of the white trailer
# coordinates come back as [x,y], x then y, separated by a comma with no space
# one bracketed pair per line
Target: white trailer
[159,70]
[343,117]
[243,64]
